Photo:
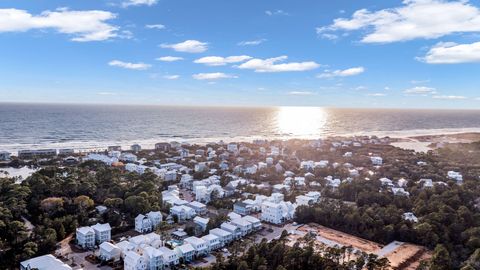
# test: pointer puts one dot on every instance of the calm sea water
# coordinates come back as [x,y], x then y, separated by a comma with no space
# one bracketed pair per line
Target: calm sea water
[26,126]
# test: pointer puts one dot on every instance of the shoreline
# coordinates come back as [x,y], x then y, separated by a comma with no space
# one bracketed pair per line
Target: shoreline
[418,140]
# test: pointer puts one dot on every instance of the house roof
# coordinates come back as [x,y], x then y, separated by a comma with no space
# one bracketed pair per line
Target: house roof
[102,227]
[210,237]
[251,219]
[85,230]
[46,262]
[194,240]
[185,248]
[203,221]
[108,247]
[220,232]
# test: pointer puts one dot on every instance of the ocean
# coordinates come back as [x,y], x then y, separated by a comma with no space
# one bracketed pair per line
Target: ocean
[88,127]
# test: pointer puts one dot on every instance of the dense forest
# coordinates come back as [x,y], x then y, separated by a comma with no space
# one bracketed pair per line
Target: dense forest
[57,200]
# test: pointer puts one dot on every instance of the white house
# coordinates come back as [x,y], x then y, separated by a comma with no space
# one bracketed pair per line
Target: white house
[212,241]
[155,217]
[109,251]
[185,251]
[183,212]
[102,232]
[4,155]
[154,258]
[85,237]
[234,230]
[256,224]
[277,213]
[170,257]
[244,226]
[455,176]
[143,224]
[201,222]
[376,161]
[198,244]
[304,200]
[225,237]
[45,262]
[199,207]
[232,147]
[410,217]
[134,261]
[170,176]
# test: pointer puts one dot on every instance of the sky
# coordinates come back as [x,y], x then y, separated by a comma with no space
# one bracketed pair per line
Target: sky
[385,54]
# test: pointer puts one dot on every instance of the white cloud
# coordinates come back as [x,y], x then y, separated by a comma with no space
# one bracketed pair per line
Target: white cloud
[449,97]
[107,93]
[84,26]
[127,65]
[212,76]
[420,90]
[171,77]
[169,58]
[301,93]
[155,26]
[189,46]
[272,65]
[342,73]
[221,61]
[376,94]
[419,81]
[251,42]
[414,19]
[452,53]
[278,12]
[139,3]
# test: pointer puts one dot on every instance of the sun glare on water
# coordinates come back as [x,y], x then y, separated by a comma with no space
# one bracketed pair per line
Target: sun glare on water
[301,121]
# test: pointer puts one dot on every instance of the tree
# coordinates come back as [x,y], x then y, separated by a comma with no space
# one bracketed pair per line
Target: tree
[440,259]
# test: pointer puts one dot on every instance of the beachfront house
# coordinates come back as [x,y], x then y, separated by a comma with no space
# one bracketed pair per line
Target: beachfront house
[4,155]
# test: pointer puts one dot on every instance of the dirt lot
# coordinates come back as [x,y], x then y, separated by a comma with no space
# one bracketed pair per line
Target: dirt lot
[407,256]
[342,238]
[401,255]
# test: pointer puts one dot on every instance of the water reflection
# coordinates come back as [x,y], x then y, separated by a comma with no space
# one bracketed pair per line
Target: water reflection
[301,121]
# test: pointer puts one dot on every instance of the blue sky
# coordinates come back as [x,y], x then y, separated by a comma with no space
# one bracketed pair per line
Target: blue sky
[394,54]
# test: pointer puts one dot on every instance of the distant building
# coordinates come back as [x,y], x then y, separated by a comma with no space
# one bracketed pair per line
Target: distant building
[376,161]
[4,155]
[114,148]
[165,147]
[41,153]
[135,148]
